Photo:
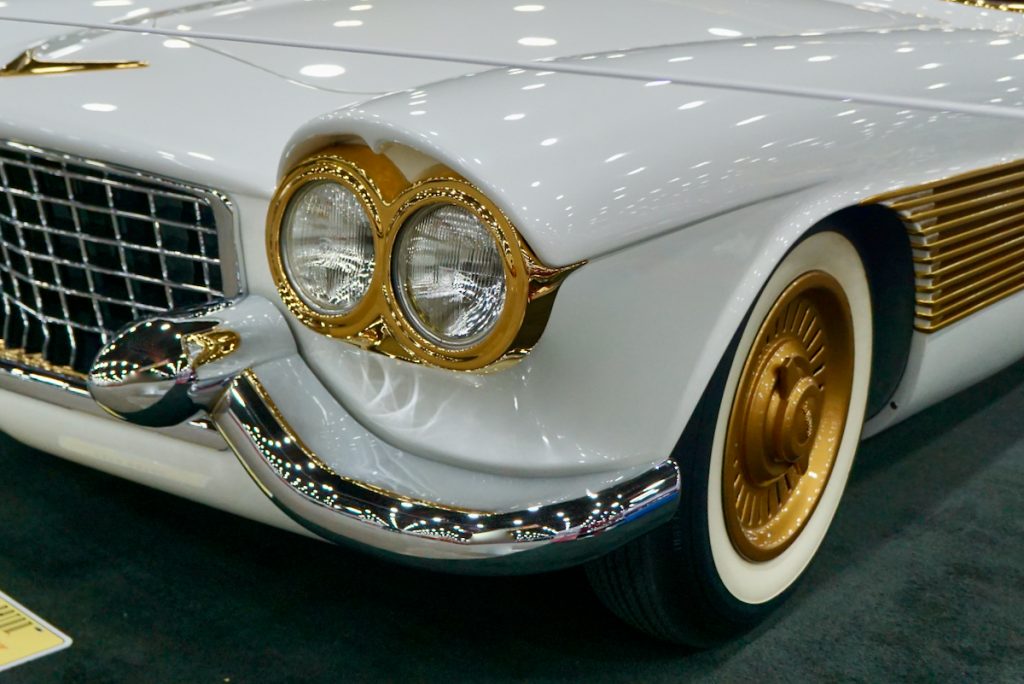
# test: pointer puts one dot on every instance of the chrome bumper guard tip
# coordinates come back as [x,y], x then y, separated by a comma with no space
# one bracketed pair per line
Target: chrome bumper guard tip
[172,368]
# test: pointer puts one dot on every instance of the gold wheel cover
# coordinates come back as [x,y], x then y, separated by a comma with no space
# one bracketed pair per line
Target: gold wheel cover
[788,416]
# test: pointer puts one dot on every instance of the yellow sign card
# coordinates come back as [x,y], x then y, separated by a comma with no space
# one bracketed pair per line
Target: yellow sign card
[25,636]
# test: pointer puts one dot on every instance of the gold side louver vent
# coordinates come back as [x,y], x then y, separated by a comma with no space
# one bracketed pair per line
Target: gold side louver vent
[967,235]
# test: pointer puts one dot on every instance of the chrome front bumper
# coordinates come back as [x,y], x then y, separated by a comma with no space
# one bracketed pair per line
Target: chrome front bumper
[165,371]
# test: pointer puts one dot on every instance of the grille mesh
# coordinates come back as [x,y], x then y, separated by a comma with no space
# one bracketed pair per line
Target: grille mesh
[967,233]
[87,248]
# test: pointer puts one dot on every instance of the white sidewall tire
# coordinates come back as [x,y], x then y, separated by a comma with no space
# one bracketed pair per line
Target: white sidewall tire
[758,583]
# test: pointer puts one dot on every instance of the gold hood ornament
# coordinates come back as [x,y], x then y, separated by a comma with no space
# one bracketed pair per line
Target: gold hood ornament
[26,64]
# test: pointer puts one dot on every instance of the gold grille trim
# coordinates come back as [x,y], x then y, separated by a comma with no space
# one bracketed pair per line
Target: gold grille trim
[967,236]
[35,362]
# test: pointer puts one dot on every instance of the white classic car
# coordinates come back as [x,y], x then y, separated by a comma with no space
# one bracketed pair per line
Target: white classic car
[499,287]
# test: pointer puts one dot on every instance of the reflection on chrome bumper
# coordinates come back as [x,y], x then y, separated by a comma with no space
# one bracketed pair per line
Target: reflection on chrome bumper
[322,500]
[140,379]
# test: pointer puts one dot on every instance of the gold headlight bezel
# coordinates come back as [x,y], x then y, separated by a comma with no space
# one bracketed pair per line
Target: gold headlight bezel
[356,318]
[517,286]
[378,322]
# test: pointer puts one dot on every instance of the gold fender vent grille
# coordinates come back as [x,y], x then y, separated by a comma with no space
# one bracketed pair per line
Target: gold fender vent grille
[967,234]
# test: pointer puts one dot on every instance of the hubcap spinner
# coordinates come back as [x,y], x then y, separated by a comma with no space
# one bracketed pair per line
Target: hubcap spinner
[782,413]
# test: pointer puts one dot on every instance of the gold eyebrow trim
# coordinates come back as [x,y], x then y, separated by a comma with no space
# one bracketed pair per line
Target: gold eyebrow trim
[27,64]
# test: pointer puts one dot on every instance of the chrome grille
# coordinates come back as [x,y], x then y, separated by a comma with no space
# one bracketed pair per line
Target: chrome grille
[88,247]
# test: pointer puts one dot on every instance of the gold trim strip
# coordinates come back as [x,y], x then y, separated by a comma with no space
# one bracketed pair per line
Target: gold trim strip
[213,345]
[956,192]
[943,226]
[992,5]
[27,64]
[976,272]
[967,233]
[972,290]
[908,192]
[963,220]
[967,255]
[950,319]
[984,295]
[968,204]
[986,231]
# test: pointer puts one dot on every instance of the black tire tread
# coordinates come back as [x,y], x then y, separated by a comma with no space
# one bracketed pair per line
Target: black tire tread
[623,580]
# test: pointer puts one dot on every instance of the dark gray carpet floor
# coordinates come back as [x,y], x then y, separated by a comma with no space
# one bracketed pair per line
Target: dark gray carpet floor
[920,579]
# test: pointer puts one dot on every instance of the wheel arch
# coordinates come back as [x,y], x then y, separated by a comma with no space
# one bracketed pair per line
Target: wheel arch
[880,237]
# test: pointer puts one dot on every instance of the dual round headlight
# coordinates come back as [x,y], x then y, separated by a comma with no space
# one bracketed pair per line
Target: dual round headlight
[327,247]
[436,263]
[448,276]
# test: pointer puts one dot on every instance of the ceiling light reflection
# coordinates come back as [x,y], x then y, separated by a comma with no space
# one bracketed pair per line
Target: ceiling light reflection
[537,41]
[753,119]
[322,70]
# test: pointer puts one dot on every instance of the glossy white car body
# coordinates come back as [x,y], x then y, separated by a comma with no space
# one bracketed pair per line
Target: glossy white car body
[679,148]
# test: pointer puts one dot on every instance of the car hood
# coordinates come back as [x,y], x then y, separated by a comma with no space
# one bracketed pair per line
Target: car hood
[448,38]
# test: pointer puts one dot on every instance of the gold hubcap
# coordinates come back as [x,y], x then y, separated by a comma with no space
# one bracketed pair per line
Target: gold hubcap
[788,416]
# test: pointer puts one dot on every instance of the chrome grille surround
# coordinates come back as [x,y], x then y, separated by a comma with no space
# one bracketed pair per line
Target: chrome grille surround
[88,247]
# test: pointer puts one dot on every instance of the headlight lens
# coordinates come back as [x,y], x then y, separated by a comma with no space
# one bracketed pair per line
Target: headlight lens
[327,247]
[448,276]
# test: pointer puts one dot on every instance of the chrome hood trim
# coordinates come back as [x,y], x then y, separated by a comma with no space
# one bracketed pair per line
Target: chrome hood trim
[16,37]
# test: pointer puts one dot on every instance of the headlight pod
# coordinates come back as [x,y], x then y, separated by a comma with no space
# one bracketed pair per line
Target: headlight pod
[427,270]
